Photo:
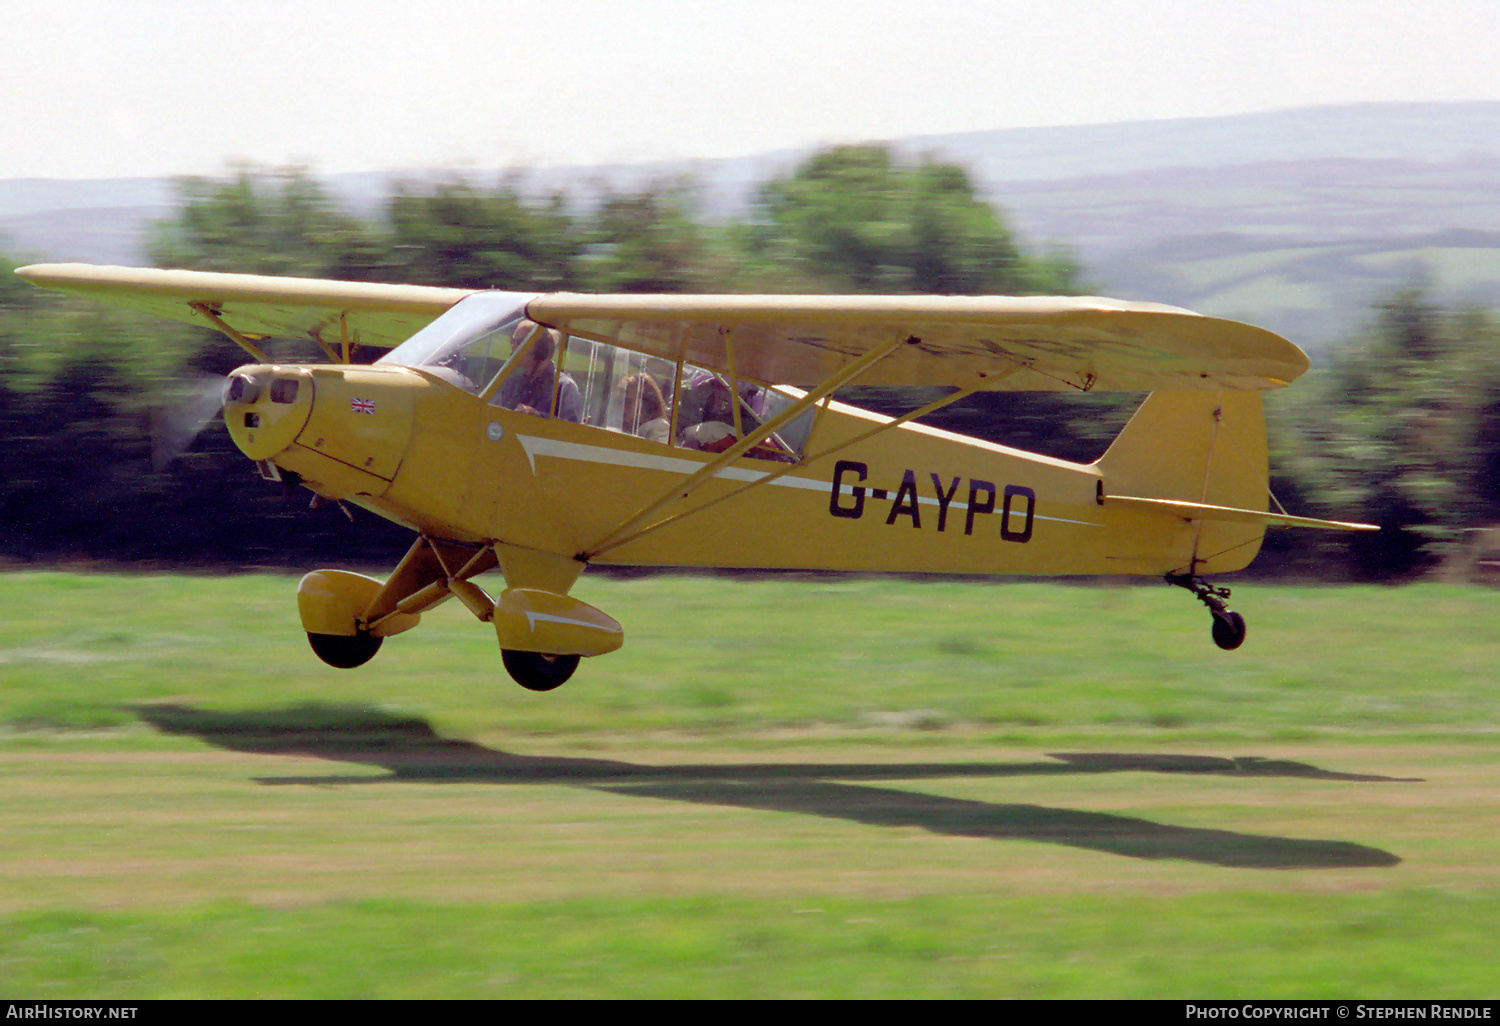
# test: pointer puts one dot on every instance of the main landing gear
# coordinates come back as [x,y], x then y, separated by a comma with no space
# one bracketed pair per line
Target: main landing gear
[542,630]
[536,671]
[1228,626]
[345,653]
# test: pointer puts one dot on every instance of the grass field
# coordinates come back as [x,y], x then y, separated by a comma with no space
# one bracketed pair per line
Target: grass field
[823,787]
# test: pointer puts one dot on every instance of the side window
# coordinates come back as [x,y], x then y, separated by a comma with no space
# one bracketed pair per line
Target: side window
[621,390]
[532,382]
[792,436]
[632,393]
[706,416]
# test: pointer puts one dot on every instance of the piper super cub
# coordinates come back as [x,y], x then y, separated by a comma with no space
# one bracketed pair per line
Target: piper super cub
[536,434]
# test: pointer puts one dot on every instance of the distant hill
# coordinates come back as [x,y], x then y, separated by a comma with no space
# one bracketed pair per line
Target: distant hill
[1293,219]
[1437,132]
[1301,247]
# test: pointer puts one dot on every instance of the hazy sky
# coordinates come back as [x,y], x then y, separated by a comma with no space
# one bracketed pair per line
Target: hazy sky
[106,88]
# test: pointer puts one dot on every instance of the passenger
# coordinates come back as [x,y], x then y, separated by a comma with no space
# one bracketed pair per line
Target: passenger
[529,387]
[645,411]
[706,414]
[755,399]
[707,418]
[664,373]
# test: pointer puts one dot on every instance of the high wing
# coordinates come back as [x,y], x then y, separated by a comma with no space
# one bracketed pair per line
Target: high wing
[1019,343]
[259,306]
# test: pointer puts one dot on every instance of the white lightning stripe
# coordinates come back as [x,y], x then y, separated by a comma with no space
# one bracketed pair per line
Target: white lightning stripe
[646,461]
[532,618]
[1064,520]
[535,447]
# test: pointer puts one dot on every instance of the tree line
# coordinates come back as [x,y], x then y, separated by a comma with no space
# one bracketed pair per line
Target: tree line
[1398,427]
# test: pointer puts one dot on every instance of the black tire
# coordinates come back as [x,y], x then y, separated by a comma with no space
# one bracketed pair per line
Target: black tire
[536,671]
[1229,630]
[345,652]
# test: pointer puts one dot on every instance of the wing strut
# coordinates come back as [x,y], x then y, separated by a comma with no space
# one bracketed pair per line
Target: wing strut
[238,339]
[348,346]
[316,335]
[979,382]
[746,442]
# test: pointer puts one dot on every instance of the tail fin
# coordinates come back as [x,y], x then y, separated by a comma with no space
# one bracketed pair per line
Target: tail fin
[1207,448]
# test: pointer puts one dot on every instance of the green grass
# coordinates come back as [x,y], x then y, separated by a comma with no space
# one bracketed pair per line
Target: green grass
[1016,947]
[713,655]
[780,788]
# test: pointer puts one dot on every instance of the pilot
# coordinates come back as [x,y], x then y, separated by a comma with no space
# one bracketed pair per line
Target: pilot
[529,387]
[706,414]
[645,411]
[707,410]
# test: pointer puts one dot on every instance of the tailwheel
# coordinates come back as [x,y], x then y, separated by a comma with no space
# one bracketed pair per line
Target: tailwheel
[345,652]
[536,671]
[1228,626]
[1229,629]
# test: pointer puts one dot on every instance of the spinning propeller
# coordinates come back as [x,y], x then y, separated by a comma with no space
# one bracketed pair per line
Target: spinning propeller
[189,406]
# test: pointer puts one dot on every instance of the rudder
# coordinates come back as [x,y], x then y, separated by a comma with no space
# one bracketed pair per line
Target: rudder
[1199,447]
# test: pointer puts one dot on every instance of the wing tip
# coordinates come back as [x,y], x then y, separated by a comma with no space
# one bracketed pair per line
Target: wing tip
[33,272]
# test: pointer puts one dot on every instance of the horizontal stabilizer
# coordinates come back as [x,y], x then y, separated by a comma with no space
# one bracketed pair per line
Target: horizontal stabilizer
[1202,511]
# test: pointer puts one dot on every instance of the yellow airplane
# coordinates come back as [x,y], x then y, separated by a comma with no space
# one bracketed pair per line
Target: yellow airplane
[536,434]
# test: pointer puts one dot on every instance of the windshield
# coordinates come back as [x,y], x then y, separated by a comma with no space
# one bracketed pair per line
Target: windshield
[469,343]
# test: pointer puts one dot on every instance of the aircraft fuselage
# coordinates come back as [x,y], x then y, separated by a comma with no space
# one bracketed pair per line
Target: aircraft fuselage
[420,451]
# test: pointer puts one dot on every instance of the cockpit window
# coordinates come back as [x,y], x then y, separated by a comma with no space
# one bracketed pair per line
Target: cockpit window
[710,418]
[469,343]
[622,390]
[636,394]
[599,385]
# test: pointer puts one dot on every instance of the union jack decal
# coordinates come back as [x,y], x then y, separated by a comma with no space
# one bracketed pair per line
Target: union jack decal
[362,405]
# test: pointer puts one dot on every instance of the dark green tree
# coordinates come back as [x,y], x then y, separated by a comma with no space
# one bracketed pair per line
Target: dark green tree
[1400,427]
[456,234]
[648,240]
[279,222]
[857,219]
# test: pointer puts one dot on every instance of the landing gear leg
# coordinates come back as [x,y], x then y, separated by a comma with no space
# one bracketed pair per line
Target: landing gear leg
[1228,626]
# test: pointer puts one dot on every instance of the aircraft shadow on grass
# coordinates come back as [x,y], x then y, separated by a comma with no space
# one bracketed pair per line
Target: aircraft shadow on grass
[411,751]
